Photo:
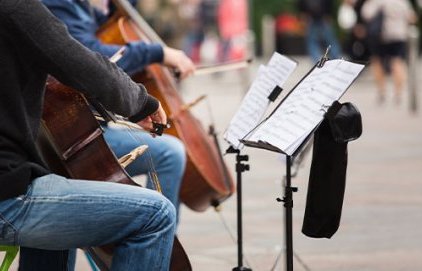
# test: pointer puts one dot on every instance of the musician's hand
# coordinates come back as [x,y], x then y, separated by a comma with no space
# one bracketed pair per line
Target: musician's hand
[158,116]
[179,60]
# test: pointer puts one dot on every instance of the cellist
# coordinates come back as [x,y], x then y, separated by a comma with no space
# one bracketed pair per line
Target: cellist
[83,18]
[42,210]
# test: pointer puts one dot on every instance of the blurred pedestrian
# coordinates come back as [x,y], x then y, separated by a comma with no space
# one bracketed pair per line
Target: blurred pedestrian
[202,30]
[394,17]
[232,18]
[356,42]
[318,16]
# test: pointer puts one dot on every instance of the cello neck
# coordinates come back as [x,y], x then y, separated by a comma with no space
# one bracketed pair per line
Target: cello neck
[127,9]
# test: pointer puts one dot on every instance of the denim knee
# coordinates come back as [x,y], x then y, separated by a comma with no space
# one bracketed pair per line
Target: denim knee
[165,216]
[170,211]
[176,153]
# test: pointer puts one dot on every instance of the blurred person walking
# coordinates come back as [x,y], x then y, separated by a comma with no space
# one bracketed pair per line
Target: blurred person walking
[318,15]
[356,42]
[201,41]
[232,18]
[394,17]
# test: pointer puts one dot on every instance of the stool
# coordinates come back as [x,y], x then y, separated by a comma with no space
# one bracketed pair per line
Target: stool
[11,252]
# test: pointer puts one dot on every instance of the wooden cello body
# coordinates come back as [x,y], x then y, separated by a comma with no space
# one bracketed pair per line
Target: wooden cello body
[206,181]
[72,144]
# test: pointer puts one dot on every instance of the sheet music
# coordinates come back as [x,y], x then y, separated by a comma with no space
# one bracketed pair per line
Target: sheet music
[305,107]
[256,102]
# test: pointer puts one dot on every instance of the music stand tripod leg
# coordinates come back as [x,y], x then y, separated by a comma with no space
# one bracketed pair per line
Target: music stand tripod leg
[288,204]
[240,168]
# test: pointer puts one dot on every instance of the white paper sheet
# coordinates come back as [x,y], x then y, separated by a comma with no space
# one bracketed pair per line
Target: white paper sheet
[305,107]
[255,102]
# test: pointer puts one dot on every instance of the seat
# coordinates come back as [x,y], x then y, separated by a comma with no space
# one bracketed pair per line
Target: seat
[11,252]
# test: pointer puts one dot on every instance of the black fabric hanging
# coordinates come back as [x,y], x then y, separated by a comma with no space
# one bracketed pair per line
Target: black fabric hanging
[327,179]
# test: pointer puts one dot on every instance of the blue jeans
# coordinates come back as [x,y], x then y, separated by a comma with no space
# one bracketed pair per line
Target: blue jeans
[57,214]
[320,33]
[165,153]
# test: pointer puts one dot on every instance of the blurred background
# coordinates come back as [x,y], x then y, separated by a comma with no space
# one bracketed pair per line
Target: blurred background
[203,28]
[381,226]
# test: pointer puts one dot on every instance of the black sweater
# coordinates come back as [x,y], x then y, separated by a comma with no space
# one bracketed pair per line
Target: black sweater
[33,43]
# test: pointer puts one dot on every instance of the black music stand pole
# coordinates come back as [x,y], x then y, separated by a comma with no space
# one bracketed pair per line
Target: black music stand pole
[288,204]
[288,191]
[240,168]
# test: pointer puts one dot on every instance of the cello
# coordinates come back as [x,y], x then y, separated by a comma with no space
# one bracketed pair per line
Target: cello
[72,144]
[206,181]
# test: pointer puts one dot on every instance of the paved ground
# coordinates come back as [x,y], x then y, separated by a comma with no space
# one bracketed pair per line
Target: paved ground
[381,227]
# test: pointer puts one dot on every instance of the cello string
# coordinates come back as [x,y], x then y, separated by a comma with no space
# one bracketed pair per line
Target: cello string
[161,77]
[152,172]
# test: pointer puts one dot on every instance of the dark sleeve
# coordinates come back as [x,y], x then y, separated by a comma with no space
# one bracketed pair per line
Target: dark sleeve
[83,26]
[70,62]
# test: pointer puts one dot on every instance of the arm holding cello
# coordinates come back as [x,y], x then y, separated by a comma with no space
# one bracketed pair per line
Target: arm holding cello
[83,26]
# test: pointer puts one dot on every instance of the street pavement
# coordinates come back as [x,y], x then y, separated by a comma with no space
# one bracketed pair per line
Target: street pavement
[381,224]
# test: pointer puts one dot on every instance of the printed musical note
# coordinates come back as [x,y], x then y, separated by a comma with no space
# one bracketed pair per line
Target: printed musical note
[256,102]
[305,107]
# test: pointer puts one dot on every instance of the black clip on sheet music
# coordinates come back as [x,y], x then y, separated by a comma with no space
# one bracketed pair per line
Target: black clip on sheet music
[275,93]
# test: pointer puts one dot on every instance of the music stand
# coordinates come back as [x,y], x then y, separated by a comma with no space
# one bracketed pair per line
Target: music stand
[240,168]
[294,142]
[288,196]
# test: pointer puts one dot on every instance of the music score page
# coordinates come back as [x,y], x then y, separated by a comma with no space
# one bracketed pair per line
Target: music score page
[304,108]
[256,102]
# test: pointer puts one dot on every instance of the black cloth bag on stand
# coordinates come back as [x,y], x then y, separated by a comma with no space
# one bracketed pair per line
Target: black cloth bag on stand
[342,123]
